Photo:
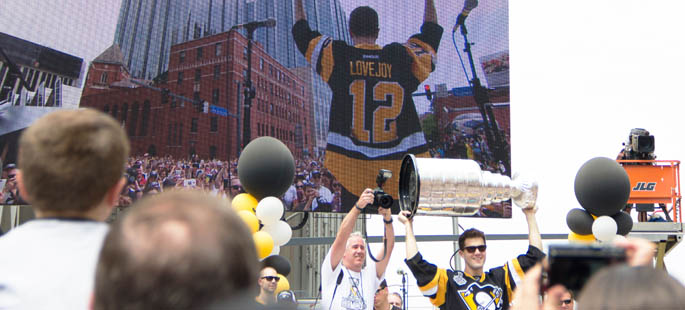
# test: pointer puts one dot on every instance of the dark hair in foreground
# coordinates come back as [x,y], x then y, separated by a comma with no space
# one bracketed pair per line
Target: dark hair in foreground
[468,234]
[364,22]
[626,288]
[176,250]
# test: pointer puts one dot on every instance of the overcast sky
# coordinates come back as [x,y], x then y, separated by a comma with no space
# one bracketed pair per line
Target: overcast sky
[583,74]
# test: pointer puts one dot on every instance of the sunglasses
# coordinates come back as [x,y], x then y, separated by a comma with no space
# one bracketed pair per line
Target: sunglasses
[472,249]
[271,278]
[10,176]
[299,186]
[236,187]
[566,301]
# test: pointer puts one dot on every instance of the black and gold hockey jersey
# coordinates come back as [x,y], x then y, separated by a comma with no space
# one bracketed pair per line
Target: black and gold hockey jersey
[373,122]
[457,290]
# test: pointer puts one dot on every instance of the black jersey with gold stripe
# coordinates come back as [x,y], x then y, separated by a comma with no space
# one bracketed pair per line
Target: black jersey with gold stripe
[457,290]
[373,121]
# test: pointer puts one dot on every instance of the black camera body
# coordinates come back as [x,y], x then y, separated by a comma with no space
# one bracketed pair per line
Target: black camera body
[573,265]
[380,198]
[640,145]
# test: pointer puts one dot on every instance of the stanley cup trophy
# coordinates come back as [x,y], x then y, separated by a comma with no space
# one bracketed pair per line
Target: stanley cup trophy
[457,187]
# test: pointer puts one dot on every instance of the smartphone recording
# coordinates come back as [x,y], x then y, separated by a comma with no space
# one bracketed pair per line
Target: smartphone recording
[573,265]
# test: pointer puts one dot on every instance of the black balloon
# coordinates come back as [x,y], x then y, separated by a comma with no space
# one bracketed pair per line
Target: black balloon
[266,168]
[579,221]
[624,223]
[280,263]
[602,186]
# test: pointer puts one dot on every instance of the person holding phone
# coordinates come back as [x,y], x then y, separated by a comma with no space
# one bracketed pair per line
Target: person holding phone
[619,286]
[472,288]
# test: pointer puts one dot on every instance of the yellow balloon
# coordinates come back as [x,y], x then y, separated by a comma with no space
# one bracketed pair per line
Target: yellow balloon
[576,238]
[283,284]
[264,243]
[250,219]
[244,201]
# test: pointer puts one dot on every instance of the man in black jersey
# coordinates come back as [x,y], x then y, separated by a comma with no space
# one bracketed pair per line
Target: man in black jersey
[472,288]
[373,122]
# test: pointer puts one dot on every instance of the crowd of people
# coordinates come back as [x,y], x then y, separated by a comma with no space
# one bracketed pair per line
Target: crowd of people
[457,143]
[314,187]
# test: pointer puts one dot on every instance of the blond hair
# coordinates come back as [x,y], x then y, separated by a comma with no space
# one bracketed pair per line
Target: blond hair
[69,159]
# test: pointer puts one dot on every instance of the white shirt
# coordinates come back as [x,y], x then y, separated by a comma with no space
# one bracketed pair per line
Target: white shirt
[356,290]
[325,195]
[290,196]
[49,264]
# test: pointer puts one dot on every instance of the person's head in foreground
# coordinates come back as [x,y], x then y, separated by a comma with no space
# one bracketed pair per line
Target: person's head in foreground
[176,250]
[623,287]
[71,164]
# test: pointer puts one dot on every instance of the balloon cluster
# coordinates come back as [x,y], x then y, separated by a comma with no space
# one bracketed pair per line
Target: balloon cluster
[266,169]
[602,188]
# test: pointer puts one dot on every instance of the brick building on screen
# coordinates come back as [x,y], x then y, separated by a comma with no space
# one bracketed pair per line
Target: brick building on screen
[209,70]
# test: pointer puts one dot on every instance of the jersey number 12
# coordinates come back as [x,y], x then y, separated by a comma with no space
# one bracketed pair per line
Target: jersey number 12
[384,125]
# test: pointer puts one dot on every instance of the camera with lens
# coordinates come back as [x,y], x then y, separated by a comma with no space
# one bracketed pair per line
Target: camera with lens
[380,198]
[640,145]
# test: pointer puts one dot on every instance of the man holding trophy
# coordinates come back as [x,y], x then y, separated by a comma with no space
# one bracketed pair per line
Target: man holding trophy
[422,191]
[472,288]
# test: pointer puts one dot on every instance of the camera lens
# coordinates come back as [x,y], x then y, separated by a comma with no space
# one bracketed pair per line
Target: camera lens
[386,201]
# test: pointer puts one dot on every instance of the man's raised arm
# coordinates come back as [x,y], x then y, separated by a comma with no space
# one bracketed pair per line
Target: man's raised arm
[347,225]
[410,239]
[534,237]
[390,236]
[429,13]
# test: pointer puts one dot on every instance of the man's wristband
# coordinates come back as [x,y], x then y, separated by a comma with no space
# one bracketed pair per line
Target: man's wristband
[388,222]
[358,208]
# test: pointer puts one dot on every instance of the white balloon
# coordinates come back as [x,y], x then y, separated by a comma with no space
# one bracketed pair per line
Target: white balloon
[604,228]
[269,210]
[280,231]
[275,251]
[618,237]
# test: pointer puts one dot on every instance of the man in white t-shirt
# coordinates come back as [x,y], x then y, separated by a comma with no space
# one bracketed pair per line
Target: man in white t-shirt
[71,164]
[323,196]
[345,282]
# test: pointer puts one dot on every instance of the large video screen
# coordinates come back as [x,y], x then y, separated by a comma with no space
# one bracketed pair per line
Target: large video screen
[192,82]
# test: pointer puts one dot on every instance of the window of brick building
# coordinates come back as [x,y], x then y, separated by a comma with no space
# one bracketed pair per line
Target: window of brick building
[193,125]
[213,124]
